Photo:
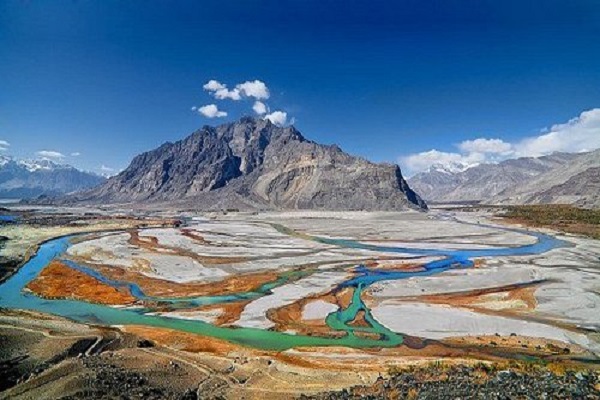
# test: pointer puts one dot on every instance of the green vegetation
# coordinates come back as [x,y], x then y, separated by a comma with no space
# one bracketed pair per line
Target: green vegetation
[560,217]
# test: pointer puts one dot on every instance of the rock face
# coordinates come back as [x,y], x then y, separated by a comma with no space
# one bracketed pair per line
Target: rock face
[558,178]
[253,164]
[21,179]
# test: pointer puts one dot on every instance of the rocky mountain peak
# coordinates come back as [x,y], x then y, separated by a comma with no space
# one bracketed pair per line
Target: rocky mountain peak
[253,163]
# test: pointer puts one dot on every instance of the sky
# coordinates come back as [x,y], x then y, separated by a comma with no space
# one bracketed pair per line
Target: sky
[414,82]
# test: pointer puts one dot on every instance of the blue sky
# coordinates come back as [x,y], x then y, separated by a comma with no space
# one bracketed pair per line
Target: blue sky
[387,80]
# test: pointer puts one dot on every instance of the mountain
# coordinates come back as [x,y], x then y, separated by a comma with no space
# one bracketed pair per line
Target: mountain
[556,178]
[254,164]
[575,182]
[24,179]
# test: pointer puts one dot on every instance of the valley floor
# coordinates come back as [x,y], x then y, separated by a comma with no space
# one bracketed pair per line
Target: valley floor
[286,304]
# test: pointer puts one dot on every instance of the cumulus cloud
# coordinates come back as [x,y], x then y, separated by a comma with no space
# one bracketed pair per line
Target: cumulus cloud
[278,118]
[223,94]
[577,135]
[211,111]
[213,85]
[259,107]
[220,91]
[4,145]
[255,88]
[51,154]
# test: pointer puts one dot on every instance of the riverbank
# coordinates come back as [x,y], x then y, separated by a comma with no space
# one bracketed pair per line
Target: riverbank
[21,240]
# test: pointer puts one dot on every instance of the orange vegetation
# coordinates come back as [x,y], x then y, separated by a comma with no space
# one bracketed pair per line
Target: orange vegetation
[163,288]
[230,311]
[57,280]
[187,341]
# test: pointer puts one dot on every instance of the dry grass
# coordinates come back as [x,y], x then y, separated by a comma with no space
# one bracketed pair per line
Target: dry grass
[58,281]
[564,218]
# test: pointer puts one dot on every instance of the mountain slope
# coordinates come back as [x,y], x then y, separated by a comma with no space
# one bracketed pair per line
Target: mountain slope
[575,182]
[24,179]
[253,164]
[517,181]
[483,181]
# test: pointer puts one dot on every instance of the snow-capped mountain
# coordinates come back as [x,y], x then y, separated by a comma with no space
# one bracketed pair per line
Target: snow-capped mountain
[450,168]
[23,179]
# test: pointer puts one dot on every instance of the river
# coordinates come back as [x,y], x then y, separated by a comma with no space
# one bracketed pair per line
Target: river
[13,295]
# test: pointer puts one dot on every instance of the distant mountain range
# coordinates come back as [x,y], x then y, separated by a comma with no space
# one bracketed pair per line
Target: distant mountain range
[254,164]
[560,178]
[26,179]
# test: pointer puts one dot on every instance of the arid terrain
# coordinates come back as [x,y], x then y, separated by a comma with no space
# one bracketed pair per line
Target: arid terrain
[112,303]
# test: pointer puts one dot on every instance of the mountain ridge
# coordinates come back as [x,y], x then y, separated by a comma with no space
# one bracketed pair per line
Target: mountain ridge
[254,164]
[515,181]
[26,179]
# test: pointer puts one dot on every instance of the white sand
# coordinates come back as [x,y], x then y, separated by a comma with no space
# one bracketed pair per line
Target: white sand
[438,322]
[318,309]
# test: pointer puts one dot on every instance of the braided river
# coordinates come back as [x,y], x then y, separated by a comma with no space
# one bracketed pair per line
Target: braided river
[14,296]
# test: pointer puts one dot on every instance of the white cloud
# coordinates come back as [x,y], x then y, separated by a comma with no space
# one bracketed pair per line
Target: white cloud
[75,154]
[4,145]
[213,85]
[259,107]
[278,118]
[482,145]
[51,154]
[223,94]
[104,168]
[220,91]
[211,111]
[256,89]
[577,135]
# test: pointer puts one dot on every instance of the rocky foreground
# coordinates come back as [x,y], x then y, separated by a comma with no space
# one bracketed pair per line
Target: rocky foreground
[479,382]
